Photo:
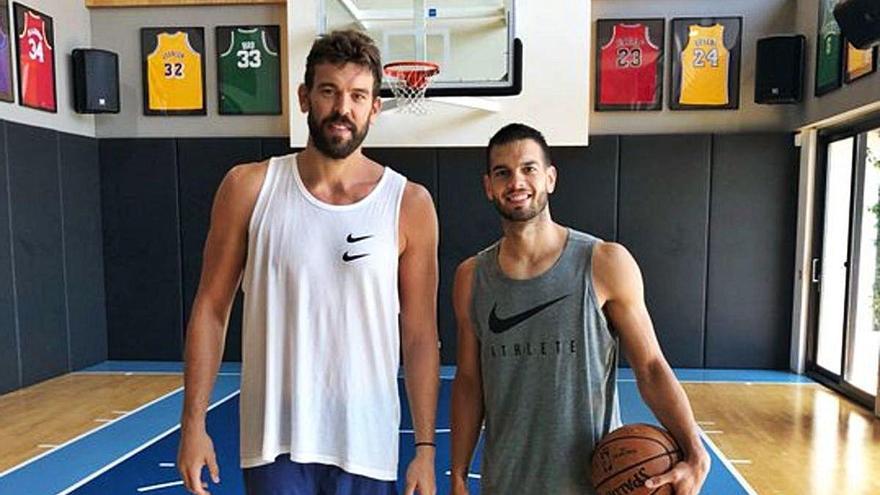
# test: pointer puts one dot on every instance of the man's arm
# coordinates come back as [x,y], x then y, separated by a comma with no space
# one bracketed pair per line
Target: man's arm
[224,257]
[418,316]
[467,389]
[619,284]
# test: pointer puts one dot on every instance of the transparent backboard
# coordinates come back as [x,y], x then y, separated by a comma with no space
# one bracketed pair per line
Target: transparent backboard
[473,41]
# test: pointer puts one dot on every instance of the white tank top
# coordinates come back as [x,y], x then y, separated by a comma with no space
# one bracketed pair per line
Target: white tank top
[320,343]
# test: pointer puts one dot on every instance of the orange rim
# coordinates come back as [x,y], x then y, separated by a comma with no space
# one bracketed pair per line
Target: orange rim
[414,73]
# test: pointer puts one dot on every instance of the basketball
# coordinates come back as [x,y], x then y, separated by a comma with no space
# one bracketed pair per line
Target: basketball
[625,458]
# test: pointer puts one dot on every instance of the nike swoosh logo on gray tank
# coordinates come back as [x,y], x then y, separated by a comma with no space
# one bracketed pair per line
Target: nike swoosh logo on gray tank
[501,325]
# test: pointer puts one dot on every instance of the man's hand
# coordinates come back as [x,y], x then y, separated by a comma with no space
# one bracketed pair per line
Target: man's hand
[420,473]
[196,451]
[686,477]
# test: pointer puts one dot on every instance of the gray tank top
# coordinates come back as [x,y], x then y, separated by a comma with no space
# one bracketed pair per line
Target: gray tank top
[549,368]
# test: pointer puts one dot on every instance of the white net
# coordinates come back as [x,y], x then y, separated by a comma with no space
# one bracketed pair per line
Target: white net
[408,82]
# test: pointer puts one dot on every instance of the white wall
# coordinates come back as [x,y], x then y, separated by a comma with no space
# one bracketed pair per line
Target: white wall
[72,30]
[760,18]
[118,29]
[555,83]
[864,91]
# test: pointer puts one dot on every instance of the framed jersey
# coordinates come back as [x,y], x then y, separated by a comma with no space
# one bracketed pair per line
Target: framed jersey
[248,70]
[173,66]
[829,50]
[629,64]
[34,42]
[5,54]
[859,63]
[705,63]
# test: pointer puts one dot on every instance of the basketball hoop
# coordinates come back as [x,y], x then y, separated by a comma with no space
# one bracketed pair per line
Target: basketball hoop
[409,80]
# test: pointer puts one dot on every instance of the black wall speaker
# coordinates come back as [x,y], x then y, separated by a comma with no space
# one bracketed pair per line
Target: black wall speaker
[95,81]
[779,70]
[859,21]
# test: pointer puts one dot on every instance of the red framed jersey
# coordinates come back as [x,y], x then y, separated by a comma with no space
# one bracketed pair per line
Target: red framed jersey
[36,63]
[629,66]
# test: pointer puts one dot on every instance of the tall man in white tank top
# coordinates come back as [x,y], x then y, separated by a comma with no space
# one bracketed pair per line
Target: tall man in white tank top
[540,314]
[331,250]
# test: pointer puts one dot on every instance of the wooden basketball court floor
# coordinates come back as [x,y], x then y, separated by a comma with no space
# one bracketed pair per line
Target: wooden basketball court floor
[113,429]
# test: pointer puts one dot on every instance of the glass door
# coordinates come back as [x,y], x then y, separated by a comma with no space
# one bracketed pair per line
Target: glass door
[829,270]
[863,359]
[844,348]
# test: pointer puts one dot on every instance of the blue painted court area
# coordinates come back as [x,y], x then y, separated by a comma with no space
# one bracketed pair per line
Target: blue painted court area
[136,453]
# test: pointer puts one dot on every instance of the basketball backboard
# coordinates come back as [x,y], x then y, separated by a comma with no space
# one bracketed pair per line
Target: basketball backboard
[473,41]
[501,61]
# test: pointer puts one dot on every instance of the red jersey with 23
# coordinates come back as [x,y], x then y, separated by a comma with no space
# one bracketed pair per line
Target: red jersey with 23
[628,67]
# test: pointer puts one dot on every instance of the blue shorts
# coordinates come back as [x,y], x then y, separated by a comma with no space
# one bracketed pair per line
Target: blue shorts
[285,477]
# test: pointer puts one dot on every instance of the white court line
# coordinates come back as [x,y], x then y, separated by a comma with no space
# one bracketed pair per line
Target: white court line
[120,412]
[727,464]
[132,373]
[475,476]
[136,450]
[126,373]
[740,461]
[739,382]
[103,420]
[150,488]
[166,464]
[438,430]
[47,446]
[713,432]
[705,422]
[44,454]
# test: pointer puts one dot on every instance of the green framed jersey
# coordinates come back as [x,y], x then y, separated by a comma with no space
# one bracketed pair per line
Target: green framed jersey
[830,49]
[249,70]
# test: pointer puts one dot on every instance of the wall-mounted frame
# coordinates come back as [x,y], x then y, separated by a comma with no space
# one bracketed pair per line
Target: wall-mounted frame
[629,64]
[859,63]
[6,91]
[173,67]
[705,63]
[829,50]
[34,43]
[248,70]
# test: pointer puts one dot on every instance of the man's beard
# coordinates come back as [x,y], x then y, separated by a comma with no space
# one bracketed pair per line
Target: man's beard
[524,214]
[336,147]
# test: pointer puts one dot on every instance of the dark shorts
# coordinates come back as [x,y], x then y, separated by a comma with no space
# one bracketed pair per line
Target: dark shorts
[285,477]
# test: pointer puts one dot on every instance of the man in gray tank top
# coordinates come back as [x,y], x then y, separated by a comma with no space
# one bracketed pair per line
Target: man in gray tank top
[540,314]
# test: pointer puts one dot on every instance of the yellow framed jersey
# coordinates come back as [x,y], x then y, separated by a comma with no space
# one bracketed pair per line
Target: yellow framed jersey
[859,63]
[705,67]
[174,71]
[706,63]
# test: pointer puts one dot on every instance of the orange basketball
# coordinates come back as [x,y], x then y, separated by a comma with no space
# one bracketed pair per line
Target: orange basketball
[625,458]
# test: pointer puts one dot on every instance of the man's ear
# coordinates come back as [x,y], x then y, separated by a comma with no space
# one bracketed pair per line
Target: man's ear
[302,92]
[487,187]
[376,109]
[551,178]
